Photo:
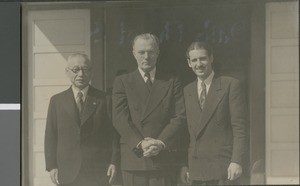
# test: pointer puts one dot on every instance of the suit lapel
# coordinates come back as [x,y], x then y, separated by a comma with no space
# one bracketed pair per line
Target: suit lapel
[213,98]
[90,105]
[193,94]
[70,105]
[139,87]
[138,91]
[157,93]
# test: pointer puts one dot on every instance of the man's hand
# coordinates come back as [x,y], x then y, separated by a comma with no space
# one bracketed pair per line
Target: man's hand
[54,176]
[112,172]
[154,148]
[234,171]
[146,143]
[184,175]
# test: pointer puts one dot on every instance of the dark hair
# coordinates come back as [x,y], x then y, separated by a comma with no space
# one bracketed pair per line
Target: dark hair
[199,45]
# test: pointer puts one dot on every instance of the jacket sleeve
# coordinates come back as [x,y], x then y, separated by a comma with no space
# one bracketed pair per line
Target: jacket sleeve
[173,130]
[237,107]
[51,138]
[116,154]
[121,116]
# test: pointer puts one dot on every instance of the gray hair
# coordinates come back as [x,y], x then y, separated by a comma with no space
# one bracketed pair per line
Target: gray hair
[84,56]
[147,36]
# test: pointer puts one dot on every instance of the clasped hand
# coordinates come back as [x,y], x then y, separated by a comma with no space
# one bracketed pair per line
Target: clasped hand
[151,147]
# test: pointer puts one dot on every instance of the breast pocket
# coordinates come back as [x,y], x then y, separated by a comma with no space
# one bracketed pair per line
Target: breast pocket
[223,116]
[166,105]
[134,107]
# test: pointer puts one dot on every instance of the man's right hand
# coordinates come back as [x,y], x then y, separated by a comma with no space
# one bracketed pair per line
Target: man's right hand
[184,175]
[54,176]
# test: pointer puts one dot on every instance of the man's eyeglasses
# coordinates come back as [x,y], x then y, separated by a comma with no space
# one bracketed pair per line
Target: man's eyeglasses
[76,70]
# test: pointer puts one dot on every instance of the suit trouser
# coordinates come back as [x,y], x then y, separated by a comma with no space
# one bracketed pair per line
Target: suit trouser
[87,177]
[214,182]
[149,178]
[202,183]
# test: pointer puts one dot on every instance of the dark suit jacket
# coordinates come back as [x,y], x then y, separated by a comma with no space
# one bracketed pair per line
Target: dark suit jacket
[217,133]
[72,143]
[138,114]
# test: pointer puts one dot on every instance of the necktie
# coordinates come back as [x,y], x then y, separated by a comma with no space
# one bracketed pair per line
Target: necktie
[148,81]
[202,95]
[79,102]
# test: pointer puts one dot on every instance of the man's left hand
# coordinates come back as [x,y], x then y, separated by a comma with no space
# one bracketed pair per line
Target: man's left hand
[234,171]
[112,172]
[154,149]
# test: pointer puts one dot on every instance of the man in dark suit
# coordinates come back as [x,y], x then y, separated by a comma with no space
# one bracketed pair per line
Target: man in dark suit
[78,136]
[148,113]
[216,117]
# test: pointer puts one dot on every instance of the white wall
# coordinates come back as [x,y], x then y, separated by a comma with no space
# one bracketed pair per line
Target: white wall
[52,36]
[282,93]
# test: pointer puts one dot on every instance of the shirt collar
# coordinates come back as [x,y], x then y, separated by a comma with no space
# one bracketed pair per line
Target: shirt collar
[152,73]
[208,80]
[83,91]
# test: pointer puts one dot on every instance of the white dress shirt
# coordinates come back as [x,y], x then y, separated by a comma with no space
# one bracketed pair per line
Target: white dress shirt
[207,82]
[152,74]
[83,91]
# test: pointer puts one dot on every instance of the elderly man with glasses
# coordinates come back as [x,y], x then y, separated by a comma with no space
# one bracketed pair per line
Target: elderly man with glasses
[79,134]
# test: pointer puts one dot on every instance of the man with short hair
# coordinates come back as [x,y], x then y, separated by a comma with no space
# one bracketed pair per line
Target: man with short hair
[216,117]
[78,136]
[148,113]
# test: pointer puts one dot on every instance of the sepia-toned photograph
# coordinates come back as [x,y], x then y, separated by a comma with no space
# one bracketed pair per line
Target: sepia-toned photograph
[160,93]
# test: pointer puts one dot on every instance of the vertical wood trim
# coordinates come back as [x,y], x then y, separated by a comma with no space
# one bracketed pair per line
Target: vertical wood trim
[257,94]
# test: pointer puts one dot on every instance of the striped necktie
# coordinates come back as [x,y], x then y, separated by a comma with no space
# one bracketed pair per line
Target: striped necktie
[79,102]
[202,95]
[148,81]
